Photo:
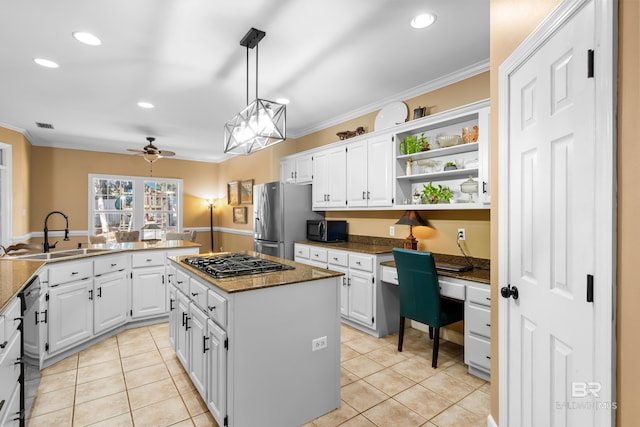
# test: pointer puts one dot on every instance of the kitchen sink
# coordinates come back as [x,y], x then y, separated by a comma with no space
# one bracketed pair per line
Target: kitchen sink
[62,254]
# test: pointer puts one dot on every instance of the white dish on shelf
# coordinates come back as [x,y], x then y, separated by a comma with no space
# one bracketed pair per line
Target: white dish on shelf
[391,115]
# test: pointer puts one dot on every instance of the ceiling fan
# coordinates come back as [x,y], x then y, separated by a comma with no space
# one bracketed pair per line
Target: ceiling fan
[150,152]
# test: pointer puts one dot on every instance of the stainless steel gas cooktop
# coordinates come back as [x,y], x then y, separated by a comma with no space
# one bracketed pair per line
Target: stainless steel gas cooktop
[234,264]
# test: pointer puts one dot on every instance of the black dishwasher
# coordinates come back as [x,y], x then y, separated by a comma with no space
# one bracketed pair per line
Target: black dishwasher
[30,349]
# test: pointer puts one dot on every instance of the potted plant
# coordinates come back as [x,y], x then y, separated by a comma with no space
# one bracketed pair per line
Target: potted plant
[424,144]
[410,145]
[437,194]
[450,166]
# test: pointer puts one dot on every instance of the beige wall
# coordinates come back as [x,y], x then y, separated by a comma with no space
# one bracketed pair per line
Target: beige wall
[60,182]
[21,160]
[628,350]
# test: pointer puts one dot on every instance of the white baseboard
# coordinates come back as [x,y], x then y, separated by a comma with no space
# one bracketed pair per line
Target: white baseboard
[491,422]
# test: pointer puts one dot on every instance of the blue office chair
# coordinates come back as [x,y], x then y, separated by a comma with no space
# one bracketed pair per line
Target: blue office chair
[420,296]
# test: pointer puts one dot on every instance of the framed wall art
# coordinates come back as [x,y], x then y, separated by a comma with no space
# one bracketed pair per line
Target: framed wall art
[233,192]
[240,215]
[246,192]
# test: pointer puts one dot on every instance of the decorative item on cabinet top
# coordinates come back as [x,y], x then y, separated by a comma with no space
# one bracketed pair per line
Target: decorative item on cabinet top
[351,133]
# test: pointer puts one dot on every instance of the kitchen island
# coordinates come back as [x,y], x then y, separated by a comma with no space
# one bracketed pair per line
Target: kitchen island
[261,349]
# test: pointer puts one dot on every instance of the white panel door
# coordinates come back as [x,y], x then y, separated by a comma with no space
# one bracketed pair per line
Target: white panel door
[551,223]
[70,314]
[217,372]
[361,298]
[110,307]
[148,292]
[197,354]
[357,174]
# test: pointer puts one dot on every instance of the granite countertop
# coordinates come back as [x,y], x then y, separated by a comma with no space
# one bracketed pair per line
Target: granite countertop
[351,246]
[13,276]
[16,272]
[481,272]
[480,275]
[251,282]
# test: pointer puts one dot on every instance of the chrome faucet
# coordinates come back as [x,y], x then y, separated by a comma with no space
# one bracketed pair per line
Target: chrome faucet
[47,246]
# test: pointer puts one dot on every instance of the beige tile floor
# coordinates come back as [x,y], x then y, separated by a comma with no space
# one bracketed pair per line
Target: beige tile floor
[134,378]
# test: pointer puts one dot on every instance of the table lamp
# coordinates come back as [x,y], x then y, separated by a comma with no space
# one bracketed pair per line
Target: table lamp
[411,218]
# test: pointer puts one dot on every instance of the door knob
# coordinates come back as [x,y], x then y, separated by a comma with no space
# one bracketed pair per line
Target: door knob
[509,291]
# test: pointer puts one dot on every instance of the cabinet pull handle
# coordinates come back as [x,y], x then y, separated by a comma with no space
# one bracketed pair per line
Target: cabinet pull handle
[46,313]
[2,404]
[204,344]
[194,294]
[484,186]
[113,264]
[179,282]
[90,294]
[37,313]
[99,291]
[149,260]
[364,195]
[18,361]
[3,345]
[488,298]
[368,195]
[489,324]
[335,258]
[488,357]
[186,323]
[358,262]
[183,316]
[211,307]
[171,307]
[349,281]
[73,273]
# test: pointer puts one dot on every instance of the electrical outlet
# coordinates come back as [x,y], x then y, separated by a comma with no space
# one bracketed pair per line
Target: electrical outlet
[319,343]
[462,235]
[392,230]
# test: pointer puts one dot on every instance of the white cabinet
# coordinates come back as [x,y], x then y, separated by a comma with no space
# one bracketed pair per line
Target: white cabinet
[10,366]
[197,344]
[182,328]
[70,314]
[216,371]
[173,313]
[477,330]
[296,169]
[111,295]
[370,172]
[329,186]
[362,303]
[468,160]
[148,293]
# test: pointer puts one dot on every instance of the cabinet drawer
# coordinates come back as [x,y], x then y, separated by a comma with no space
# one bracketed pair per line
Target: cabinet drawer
[451,289]
[338,258]
[70,272]
[217,308]
[302,252]
[8,322]
[477,352]
[319,255]
[182,281]
[198,293]
[389,275]
[148,259]
[478,320]
[9,368]
[479,295]
[109,264]
[10,412]
[361,262]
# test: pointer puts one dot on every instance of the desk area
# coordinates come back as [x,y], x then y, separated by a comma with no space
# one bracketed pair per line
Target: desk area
[472,287]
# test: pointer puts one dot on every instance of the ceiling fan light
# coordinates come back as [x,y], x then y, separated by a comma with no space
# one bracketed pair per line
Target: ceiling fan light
[423,20]
[151,157]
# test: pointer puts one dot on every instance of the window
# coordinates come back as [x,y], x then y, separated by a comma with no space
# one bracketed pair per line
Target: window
[131,203]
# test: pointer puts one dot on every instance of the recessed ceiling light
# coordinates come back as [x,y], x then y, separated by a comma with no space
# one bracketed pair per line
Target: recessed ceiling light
[144,104]
[283,101]
[423,20]
[45,63]
[86,38]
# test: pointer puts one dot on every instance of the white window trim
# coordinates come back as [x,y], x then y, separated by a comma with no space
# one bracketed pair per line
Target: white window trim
[6,188]
[138,186]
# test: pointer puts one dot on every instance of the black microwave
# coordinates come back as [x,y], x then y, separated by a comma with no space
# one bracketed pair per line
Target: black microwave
[321,230]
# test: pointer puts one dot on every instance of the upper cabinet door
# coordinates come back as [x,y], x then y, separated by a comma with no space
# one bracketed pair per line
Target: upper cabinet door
[357,188]
[380,171]
[329,188]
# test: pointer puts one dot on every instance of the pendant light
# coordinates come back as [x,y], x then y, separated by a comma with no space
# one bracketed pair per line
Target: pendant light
[261,123]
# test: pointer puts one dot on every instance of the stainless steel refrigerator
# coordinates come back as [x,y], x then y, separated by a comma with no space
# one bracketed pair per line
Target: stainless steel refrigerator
[280,214]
